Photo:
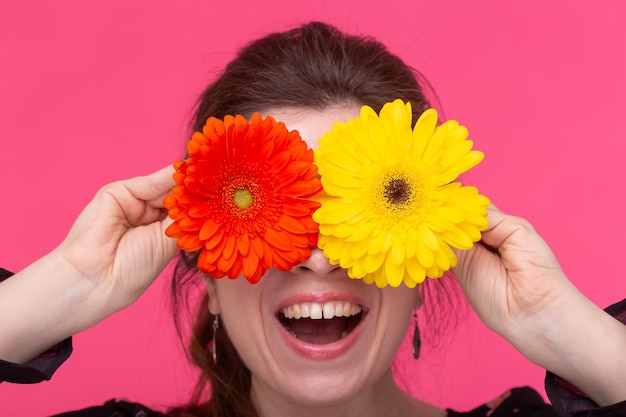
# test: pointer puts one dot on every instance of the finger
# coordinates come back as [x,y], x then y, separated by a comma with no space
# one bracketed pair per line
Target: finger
[517,242]
[140,198]
[502,226]
[494,217]
[152,187]
[169,244]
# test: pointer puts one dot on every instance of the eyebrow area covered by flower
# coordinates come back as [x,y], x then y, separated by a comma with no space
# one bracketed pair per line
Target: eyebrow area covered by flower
[392,207]
[244,197]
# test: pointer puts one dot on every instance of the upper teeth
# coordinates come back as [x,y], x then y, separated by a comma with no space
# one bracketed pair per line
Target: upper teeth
[316,311]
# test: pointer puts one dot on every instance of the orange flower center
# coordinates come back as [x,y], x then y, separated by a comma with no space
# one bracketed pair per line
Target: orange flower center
[248,199]
[242,198]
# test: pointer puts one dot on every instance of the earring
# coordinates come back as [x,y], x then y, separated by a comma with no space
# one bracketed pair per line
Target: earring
[417,340]
[213,348]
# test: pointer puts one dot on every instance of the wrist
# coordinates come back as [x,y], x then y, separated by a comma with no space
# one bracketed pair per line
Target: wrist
[42,305]
[581,343]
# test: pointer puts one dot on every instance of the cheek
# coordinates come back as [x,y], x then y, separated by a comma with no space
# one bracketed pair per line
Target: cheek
[237,297]
[242,318]
[397,305]
[404,298]
[240,308]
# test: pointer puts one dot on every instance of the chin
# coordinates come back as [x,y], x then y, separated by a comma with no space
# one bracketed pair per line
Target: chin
[322,389]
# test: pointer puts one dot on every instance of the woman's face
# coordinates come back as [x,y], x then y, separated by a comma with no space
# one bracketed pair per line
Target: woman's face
[313,360]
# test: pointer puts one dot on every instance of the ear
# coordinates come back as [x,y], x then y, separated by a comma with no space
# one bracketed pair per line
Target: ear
[211,288]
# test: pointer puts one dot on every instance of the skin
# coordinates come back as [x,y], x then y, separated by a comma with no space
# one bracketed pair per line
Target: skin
[285,383]
[120,234]
[117,247]
[518,289]
[358,382]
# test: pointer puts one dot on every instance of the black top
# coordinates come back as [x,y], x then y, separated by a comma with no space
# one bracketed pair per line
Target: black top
[518,402]
[566,399]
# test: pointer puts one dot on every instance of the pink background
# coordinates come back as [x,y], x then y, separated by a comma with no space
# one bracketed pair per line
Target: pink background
[92,92]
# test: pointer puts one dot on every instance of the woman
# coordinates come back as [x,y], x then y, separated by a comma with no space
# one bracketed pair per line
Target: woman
[257,362]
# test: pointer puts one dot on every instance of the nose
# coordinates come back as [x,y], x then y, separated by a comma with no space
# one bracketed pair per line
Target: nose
[317,263]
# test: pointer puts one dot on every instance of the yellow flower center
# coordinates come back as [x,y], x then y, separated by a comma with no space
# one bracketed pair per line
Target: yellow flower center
[397,191]
[242,198]
[399,195]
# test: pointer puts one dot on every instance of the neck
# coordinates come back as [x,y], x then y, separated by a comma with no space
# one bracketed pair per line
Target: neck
[381,399]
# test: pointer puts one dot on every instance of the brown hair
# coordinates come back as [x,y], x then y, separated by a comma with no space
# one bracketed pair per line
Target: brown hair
[313,66]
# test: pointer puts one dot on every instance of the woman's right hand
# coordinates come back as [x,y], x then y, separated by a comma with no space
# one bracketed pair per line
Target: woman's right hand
[118,242]
[113,252]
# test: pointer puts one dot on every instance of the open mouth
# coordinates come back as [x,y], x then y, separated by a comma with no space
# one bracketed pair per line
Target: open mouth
[320,323]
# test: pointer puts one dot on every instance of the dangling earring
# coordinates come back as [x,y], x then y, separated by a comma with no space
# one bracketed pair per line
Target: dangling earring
[417,340]
[213,348]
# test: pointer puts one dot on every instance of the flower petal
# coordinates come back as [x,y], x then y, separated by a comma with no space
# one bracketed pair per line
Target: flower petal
[274,167]
[391,214]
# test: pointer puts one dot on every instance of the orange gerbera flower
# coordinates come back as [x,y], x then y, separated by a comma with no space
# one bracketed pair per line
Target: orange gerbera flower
[244,198]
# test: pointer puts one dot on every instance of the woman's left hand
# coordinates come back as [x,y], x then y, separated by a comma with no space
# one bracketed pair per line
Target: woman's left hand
[518,289]
[512,275]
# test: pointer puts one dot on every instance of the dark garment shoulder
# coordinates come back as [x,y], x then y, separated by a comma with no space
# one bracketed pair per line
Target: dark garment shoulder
[114,408]
[40,368]
[517,402]
[4,274]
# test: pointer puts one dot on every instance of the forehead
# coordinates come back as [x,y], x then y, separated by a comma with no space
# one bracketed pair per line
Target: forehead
[312,124]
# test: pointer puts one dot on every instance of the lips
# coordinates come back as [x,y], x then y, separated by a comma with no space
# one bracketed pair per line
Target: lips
[320,328]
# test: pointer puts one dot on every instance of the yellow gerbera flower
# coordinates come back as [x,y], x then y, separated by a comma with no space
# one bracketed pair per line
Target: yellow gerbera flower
[393,209]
